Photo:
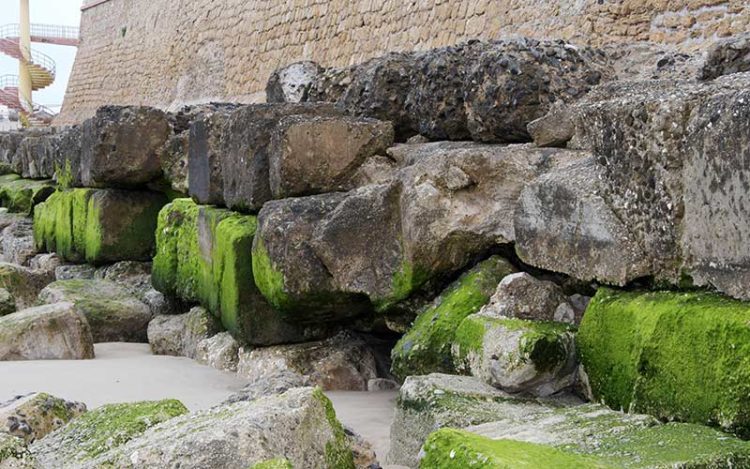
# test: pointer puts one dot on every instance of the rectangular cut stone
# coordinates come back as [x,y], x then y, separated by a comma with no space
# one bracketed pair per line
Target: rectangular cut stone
[98,225]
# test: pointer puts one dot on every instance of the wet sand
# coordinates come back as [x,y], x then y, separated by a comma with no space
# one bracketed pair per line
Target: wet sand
[129,372]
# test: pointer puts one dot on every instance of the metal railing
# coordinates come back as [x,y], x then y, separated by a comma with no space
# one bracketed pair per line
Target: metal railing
[49,31]
[8,81]
[42,60]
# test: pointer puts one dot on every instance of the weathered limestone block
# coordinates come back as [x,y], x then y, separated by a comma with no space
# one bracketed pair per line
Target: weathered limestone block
[21,195]
[726,56]
[37,153]
[98,225]
[310,155]
[112,311]
[204,255]
[343,363]
[9,142]
[522,296]
[22,283]
[205,151]
[120,146]
[88,440]
[675,355]
[330,84]
[299,425]
[220,351]
[17,242]
[564,224]
[451,203]
[180,334]
[246,137]
[35,415]
[67,167]
[516,355]
[291,83]
[426,347]
[50,332]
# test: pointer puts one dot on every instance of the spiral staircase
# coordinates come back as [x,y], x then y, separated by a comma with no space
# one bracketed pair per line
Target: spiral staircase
[41,67]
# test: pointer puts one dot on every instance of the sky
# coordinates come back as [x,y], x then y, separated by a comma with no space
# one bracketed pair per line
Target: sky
[63,12]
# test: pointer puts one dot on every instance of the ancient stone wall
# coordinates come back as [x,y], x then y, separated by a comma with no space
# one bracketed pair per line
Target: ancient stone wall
[166,53]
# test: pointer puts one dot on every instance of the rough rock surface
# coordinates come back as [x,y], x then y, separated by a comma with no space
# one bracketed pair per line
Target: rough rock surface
[120,146]
[17,242]
[49,332]
[14,454]
[675,355]
[220,351]
[291,83]
[344,363]
[114,313]
[299,425]
[22,283]
[88,440]
[516,355]
[21,195]
[522,296]
[310,155]
[426,347]
[179,335]
[35,415]
[726,56]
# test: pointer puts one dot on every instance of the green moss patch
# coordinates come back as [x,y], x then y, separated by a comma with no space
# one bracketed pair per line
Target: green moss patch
[449,448]
[426,347]
[277,463]
[677,356]
[338,453]
[98,226]
[22,195]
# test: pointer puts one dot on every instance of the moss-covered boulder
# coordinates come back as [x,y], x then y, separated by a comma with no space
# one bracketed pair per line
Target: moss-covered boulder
[114,313]
[14,454]
[204,255]
[516,355]
[101,430]
[98,225]
[22,284]
[35,415]
[676,355]
[21,195]
[299,425]
[426,348]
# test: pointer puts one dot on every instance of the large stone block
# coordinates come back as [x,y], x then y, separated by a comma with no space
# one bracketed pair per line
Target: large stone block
[204,255]
[120,146]
[310,155]
[180,334]
[291,83]
[246,137]
[35,415]
[98,225]
[299,425]
[50,332]
[676,355]
[114,313]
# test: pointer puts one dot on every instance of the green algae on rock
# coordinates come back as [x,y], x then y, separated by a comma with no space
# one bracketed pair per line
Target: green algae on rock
[426,347]
[14,454]
[276,463]
[204,255]
[33,416]
[21,195]
[515,355]
[98,225]
[676,355]
[449,448]
[101,430]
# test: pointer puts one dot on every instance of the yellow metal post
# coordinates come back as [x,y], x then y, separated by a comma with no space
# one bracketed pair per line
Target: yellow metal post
[24,72]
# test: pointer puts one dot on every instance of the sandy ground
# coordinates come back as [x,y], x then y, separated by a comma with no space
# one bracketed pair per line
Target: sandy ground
[128,372]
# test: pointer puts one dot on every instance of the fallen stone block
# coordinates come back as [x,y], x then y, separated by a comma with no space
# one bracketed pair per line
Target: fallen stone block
[291,84]
[88,440]
[50,332]
[675,355]
[310,155]
[98,225]
[426,347]
[113,312]
[516,355]
[299,425]
[37,154]
[17,242]
[343,363]
[22,283]
[180,334]
[522,296]
[204,255]
[9,142]
[22,195]
[120,146]
[34,416]
[220,351]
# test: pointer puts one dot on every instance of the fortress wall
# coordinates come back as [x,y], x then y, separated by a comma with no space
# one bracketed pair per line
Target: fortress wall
[166,53]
